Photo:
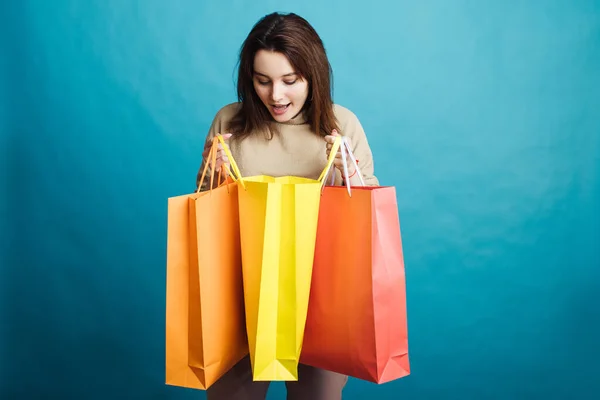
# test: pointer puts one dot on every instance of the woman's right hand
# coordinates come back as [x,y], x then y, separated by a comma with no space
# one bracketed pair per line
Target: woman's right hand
[222,159]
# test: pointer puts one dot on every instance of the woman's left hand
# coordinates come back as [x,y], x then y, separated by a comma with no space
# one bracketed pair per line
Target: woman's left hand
[330,139]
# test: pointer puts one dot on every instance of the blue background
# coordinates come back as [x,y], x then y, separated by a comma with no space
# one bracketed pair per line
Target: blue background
[485,115]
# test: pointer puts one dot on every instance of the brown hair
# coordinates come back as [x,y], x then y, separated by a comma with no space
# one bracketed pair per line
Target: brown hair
[295,38]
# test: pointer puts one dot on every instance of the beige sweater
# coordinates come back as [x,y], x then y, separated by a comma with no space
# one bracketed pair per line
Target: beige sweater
[294,151]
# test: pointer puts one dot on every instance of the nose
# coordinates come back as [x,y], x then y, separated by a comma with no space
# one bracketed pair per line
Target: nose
[277,92]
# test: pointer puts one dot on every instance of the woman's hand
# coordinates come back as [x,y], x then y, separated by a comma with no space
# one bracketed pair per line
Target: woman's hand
[330,139]
[222,159]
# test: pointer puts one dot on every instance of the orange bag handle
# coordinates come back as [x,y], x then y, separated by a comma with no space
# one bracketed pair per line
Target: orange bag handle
[211,159]
[232,163]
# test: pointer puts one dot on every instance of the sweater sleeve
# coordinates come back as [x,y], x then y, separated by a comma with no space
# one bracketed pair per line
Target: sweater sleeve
[352,128]
[217,126]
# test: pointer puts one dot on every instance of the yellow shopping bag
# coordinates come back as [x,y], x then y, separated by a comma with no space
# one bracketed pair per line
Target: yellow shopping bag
[278,228]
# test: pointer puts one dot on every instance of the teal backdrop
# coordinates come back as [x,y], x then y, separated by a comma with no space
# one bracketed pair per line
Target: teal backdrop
[485,116]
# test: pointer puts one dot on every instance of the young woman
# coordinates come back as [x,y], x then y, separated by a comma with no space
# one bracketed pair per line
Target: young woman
[284,124]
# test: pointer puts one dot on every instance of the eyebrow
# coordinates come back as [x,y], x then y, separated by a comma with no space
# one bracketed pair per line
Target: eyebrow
[267,76]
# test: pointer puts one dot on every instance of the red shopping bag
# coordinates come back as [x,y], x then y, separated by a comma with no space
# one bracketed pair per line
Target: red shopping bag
[357,323]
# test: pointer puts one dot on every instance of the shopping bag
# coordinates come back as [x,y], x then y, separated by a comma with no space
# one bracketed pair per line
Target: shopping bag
[205,324]
[278,226]
[357,323]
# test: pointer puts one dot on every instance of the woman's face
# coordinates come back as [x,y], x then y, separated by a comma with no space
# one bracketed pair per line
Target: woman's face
[280,89]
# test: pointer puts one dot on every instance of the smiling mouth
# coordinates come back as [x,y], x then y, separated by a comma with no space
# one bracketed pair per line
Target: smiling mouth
[279,109]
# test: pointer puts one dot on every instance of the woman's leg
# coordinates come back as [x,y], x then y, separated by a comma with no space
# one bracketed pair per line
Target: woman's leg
[237,384]
[316,384]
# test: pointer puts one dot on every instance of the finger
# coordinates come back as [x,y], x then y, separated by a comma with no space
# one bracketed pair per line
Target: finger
[221,149]
[227,135]
[335,132]
[221,152]
[221,165]
[221,155]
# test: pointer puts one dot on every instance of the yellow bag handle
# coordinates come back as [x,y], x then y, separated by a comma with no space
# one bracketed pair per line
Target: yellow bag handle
[334,149]
[236,171]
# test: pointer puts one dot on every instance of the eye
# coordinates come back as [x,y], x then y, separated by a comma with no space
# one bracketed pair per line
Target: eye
[291,82]
[262,83]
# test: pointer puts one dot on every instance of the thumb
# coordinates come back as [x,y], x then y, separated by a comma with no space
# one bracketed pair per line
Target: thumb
[335,132]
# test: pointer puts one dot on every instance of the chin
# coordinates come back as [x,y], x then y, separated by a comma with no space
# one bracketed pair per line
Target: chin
[281,118]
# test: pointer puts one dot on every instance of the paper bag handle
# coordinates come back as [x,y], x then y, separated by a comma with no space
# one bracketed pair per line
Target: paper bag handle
[347,153]
[334,149]
[232,162]
[211,159]
[233,165]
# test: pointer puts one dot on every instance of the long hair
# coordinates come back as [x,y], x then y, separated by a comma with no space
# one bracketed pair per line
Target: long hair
[295,38]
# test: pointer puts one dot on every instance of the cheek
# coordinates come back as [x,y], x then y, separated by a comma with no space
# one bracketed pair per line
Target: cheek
[261,91]
[299,93]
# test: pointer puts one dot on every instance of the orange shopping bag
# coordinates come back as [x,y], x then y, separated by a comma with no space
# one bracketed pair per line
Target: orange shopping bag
[356,323]
[205,323]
